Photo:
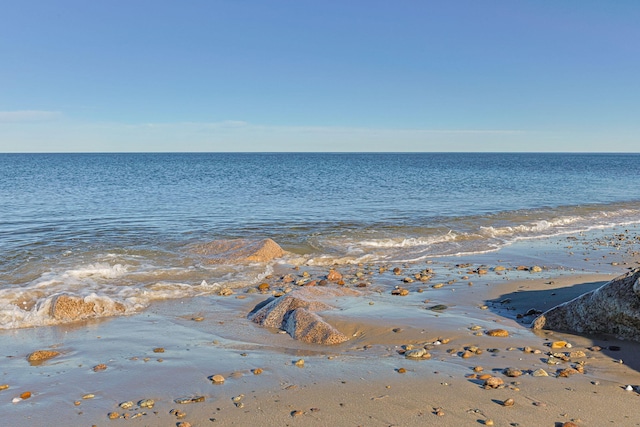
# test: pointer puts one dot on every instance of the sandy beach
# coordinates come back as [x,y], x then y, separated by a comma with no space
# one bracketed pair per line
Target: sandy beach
[156,368]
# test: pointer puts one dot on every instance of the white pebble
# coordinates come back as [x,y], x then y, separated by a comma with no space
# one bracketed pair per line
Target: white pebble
[16,400]
[629,388]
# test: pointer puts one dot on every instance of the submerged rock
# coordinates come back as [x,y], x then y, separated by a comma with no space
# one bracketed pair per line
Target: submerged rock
[238,251]
[41,355]
[68,308]
[613,308]
[295,314]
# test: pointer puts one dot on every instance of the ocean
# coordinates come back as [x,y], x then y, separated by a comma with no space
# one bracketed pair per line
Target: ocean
[117,227]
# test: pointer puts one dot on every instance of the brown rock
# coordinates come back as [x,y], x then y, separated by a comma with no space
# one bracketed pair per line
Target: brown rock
[493,382]
[512,372]
[238,251]
[263,287]
[508,402]
[334,276]
[68,308]
[498,333]
[42,355]
[217,379]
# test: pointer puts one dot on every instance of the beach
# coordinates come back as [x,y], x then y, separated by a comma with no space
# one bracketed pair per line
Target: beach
[169,353]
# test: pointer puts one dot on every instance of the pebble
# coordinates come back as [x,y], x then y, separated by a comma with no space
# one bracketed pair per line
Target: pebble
[558,344]
[488,422]
[508,402]
[146,403]
[4,387]
[89,396]
[419,353]
[299,363]
[100,367]
[184,424]
[186,400]
[126,405]
[493,382]
[512,372]
[178,413]
[629,388]
[113,415]
[158,350]
[257,371]
[297,413]
[497,333]
[402,371]
[217,379]
[25,395]
[540,373]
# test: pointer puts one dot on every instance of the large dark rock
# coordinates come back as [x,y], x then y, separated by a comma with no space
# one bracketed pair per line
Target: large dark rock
[295,314]
[613,308]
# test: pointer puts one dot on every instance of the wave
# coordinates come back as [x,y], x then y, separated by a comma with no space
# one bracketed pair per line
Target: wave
[469,235]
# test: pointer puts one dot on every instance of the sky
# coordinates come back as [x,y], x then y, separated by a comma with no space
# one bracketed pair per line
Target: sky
[298,75]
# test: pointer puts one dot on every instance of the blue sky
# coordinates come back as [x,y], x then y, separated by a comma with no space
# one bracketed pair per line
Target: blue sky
[245,75]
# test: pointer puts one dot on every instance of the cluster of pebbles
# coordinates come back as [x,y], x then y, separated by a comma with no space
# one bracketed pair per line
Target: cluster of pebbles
[560,357]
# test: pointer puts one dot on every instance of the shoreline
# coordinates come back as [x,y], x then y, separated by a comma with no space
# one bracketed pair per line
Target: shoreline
[169,352]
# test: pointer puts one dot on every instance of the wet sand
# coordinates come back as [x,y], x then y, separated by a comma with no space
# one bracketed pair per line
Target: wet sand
[169,352]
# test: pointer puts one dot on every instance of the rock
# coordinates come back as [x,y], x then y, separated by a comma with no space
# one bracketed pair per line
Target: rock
[217,379]
[438,307]
[540,373]
[567,372]
[186,400]
[100,367]
[295,314]
[238,251]
[535,269]
[498,333]
[146,403]
[493,382]
[418,353]
[400,291]
[614,308]
[309,327]
[42,355]
[68,308]
[334,276]
[263,287]
[508,402]
[512,372]
[558,344]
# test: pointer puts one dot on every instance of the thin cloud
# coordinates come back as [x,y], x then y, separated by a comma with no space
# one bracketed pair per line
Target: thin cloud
[28,116]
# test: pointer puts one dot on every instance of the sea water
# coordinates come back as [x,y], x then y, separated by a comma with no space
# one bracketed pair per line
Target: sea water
[117,227]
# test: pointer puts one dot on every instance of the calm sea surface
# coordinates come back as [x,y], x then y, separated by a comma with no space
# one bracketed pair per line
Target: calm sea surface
[116,226]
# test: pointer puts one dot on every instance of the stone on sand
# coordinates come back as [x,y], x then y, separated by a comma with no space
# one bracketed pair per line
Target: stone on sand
[295,314]
[614,308]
